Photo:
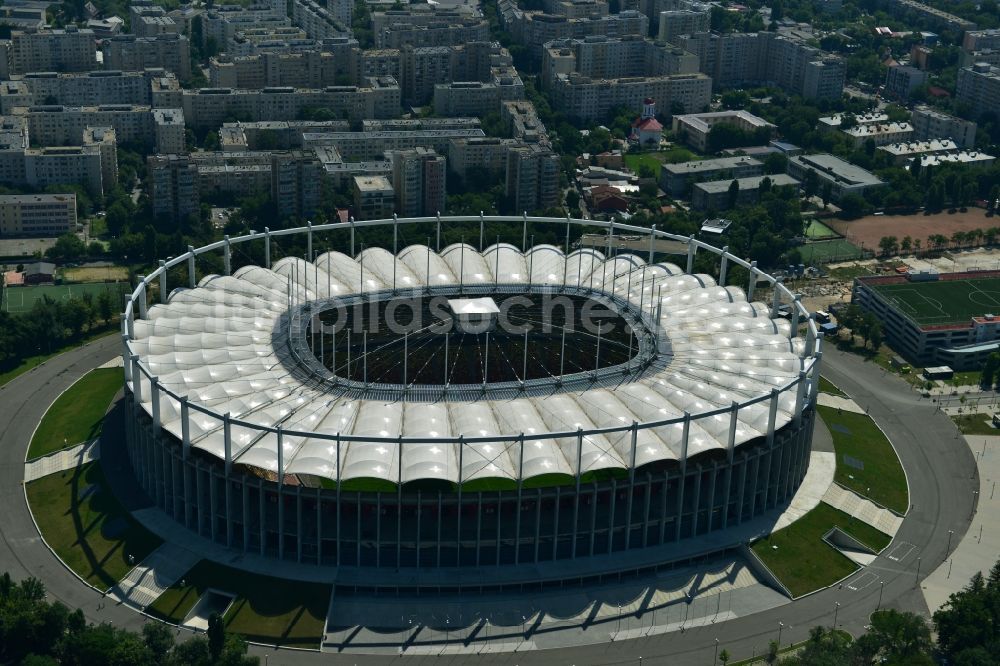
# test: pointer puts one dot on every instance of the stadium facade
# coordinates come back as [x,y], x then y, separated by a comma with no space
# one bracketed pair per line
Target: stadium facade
[544,454]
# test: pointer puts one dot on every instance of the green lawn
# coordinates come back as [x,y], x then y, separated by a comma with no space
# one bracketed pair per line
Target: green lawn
[975,424]
[674,155]
[855,435]
[76,416]
[826,386]
[35,361]
[803,561]
[967,378]
[266,609]
[85,525]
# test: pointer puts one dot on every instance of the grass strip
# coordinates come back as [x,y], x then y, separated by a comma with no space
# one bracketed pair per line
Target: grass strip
[78,414]
[860,444]
[85,525]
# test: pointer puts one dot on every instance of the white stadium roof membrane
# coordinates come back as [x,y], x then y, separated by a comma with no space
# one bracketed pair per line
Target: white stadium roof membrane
[216,345]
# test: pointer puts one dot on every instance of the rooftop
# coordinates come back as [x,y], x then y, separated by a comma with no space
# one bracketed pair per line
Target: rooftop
[710,165]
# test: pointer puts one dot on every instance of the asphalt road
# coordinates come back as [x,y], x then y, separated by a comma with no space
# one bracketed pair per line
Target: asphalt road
[939,466]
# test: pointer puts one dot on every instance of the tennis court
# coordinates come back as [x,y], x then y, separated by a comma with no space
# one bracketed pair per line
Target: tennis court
[816,230]
[944,301]
[21,299]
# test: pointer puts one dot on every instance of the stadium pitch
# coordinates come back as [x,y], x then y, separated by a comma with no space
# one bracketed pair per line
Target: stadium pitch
[944,302]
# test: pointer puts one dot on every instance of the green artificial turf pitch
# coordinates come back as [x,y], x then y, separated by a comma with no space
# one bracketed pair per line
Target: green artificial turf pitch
[944,302]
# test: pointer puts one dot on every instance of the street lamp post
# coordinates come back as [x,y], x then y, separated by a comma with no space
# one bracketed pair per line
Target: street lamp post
[950,534]
[716,660]
[781,625]
[836,610]
[881,587]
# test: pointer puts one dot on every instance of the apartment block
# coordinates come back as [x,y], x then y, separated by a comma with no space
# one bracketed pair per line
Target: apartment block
[476,98]
[601,57]
[37,214]
[366,146]
[374,198]
[576,8]
[741,59]
[105,141]
[309,69]
[395,29]
[67,50]
[588,99]
[232,25]
[902,80]
[879,134]
[296,183]
[929,123]
[172,186]
[63,125]
[418,178]
[274,134]
[485,153]
[678,179]
[532,177]
[87,89]
[535,29]
[676,22]
[129,53]
[321,22]
[168,129]
[936,17]
[210,107]
[91,161]
[979,40]
[979,86]
[522,122]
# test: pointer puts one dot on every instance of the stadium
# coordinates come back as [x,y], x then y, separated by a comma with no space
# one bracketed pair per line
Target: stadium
[489,437]
[936,318]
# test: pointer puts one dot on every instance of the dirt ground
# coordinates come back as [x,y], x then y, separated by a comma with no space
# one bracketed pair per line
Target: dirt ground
[867,231]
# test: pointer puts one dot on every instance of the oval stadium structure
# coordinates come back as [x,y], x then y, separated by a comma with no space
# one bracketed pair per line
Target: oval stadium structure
[458,413]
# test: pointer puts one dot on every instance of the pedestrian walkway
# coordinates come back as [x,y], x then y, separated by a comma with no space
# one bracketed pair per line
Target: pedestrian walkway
[863,509]
[818,479]
[116,362]
[62,460]
[845,404]
[151,578]
[978,549]
[711,592]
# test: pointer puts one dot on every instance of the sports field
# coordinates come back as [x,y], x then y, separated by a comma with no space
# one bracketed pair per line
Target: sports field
[20,299]
[944,301]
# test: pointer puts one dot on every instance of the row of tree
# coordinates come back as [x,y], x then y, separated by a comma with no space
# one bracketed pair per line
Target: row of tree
[36,632]
[892,245]
[863,323]
[50,325]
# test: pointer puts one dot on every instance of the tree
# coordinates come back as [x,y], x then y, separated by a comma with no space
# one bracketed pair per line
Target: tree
[734,192]
[105,306]
[76,313]
[989,370]
[724,656]
[67,248]
[888,245]
[159,639]
[216,636]
[775,163]
[875,335]
[772,653]
[906,244]
[895,638]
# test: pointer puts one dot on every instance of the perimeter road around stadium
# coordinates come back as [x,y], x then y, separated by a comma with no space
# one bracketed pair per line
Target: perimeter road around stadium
[940,467]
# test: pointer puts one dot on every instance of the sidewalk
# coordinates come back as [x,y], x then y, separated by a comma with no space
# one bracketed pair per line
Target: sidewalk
[978,550]
[61,461]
